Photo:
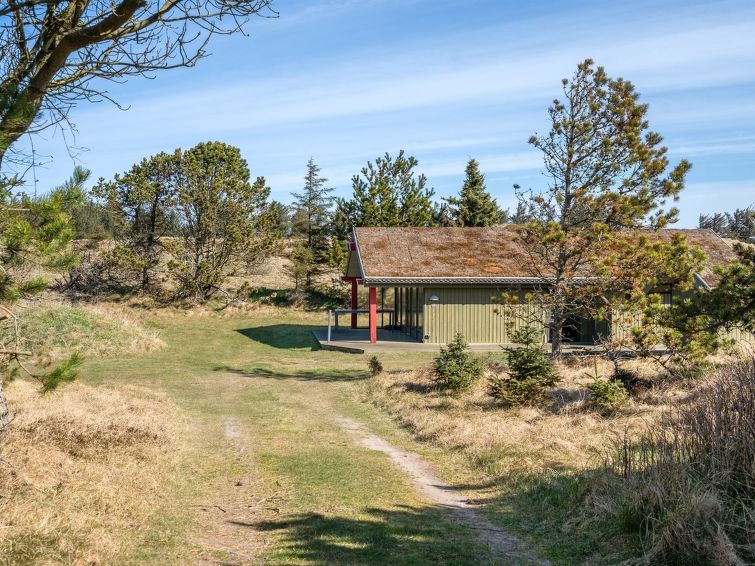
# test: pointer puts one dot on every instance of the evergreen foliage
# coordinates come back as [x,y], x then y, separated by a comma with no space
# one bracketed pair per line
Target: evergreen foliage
[694,327]
[530,372]
[606,396]
[312,218]
[386,193]
[375,366]
[739,224]
[63,373]
[225,219]
[456,368]
[220,222]
[475,206]
[608,173]
[142,205]
[337,254]
[281,217]
[89,218]
[521,215]
[302,262]
[731,304]
[34,234]
[443,215]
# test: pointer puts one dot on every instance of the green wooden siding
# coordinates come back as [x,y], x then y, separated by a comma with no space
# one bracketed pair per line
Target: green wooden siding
[622,324]
[473,312]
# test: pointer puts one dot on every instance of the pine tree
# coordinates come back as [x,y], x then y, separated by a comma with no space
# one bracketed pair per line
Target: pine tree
[35,235]
[141,202]
[608,174]
[387,193]
[90,219]
[475,206]
[739,224]
[226,220]
[520,216]
[312,217]
[301,264]
[281,217]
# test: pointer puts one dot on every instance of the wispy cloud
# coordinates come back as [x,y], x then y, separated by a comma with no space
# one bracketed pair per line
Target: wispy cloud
[706,55]
[354,79]
[729,146]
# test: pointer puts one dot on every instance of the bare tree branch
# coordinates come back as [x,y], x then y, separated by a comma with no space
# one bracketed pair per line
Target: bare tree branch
[55,53]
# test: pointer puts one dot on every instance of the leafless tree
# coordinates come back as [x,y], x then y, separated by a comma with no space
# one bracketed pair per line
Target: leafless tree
[52,52]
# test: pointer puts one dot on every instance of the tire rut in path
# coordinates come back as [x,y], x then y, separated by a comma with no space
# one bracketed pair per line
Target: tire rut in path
[504,547]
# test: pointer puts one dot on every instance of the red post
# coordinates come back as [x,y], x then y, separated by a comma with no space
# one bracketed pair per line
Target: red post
[373,315]
[354,302]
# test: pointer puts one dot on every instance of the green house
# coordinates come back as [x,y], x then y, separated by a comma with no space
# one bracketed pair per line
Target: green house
[440,281]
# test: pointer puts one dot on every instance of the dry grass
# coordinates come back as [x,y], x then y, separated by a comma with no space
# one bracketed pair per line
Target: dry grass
[81,472]
[549,465]
[525,440]
[689,481]
[59,328]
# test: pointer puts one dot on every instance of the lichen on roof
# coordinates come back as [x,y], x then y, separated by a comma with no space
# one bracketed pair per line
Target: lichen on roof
[471,253]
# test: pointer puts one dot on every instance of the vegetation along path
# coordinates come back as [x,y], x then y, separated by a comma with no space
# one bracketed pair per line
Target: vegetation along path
[282,461]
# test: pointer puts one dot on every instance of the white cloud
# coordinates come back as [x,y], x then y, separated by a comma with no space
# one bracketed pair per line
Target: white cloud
[715,146]
[454,74]
[480,92]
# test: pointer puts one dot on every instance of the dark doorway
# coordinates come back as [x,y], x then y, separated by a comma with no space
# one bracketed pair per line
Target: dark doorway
[572,330]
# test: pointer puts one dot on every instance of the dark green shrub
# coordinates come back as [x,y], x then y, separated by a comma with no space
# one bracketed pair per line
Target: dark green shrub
[375,366]
[455,368]
[606,396]
[530,372]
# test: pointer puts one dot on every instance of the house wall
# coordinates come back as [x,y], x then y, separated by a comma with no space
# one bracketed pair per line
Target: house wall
[473,312]
[621,324]
[409,309]
[352,267]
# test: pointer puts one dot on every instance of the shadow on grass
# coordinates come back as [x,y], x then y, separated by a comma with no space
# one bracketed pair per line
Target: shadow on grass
[283,336]
[407,535]
[568,512]
[305,375]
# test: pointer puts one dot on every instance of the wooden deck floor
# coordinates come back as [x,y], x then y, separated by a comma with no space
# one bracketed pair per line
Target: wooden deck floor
[358,342]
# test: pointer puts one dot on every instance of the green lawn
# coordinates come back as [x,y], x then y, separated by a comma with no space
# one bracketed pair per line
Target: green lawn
[266,470]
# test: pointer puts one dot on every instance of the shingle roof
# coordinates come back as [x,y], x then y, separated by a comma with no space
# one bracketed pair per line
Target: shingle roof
[476,255]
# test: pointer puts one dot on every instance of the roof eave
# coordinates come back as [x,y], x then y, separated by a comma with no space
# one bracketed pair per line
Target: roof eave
[459,280]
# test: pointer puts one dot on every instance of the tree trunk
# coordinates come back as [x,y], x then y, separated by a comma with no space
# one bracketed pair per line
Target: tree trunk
[556,328]
[3,410]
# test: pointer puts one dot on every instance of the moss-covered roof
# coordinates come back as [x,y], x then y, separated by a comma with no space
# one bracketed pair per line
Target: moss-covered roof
[482,255]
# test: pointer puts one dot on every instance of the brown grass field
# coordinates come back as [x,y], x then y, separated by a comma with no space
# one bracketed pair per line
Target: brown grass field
[80,469]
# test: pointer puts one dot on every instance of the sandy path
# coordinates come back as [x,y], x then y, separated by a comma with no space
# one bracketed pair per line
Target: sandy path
[504,547]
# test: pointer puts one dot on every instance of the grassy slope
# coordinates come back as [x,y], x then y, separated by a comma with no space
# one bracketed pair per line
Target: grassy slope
[258,400]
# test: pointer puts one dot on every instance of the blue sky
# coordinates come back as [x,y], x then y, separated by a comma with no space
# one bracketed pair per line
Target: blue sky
[346,80]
